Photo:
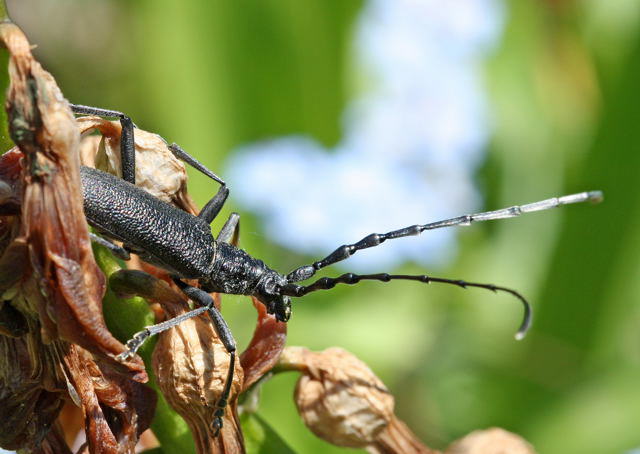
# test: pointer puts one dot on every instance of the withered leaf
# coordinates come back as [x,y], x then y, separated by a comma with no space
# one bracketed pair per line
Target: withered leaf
[116,410]
[53,224]
[267,343]
[27,409]
[50,276]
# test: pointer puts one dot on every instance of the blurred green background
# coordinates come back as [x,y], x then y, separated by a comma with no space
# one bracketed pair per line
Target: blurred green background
[563,93]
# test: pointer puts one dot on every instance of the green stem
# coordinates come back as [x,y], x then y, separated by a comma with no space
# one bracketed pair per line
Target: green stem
[4,15]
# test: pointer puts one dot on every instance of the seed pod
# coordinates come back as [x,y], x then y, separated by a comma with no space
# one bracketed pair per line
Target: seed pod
[491,441]
[191,366]
[338,397]
[342,401]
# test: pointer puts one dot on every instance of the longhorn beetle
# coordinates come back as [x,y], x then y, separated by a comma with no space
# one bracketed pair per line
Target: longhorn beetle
[182,244]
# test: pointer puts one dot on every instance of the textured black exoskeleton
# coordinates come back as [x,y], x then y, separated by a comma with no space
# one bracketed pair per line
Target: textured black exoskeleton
[183,244]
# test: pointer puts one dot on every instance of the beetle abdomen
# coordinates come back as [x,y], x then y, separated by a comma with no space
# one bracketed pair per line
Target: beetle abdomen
[170,238]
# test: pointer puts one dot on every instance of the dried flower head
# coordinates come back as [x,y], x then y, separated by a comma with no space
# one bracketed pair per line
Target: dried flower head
[343,402]
[491,441]
[338,397]
[191,364]
[158,171]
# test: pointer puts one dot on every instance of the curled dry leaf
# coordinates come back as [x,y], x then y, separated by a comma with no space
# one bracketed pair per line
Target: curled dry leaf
[158,171]
[53,284]
[265,347]
[54,443]
[53,224]
[27,408]
[116,409]
[491,441]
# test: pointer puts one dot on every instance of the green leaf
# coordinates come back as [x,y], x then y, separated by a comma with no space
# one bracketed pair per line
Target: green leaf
[260,438]
[157,450]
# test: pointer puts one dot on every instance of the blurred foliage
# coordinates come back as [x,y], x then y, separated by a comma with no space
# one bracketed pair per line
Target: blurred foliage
[213,75]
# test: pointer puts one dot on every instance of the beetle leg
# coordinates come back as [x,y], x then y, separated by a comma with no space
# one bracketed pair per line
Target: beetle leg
[116,250]
[140,337]
[224,333]
[127,145]
[230,231]
[179,153]
[213,207]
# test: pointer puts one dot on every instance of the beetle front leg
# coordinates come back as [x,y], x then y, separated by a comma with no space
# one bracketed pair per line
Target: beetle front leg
[230,231]
[127,143]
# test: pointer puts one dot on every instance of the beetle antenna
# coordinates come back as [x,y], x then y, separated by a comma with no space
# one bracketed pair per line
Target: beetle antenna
[347,250]
[327,283]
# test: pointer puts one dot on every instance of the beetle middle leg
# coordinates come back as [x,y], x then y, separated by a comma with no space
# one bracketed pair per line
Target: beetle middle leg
[230,231]
[225,336]
[145,285]
[116,250]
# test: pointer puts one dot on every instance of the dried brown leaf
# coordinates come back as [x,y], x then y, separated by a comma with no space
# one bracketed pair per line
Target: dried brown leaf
[69,281]
[53,443]
[49,275]
[265,348]
[29,402]
[116,409]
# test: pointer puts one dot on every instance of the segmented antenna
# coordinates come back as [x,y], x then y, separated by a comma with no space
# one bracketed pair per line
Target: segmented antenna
[327,283]
[347,250]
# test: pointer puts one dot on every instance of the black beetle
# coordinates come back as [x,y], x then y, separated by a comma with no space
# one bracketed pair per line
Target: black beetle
[183,244]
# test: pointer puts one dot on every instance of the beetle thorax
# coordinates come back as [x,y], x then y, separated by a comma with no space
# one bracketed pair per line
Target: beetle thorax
[234,271]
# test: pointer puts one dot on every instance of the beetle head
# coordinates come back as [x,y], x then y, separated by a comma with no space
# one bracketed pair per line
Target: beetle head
[269,293]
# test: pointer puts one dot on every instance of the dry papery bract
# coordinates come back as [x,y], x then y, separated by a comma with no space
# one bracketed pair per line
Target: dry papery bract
[342,401]
[158,171]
